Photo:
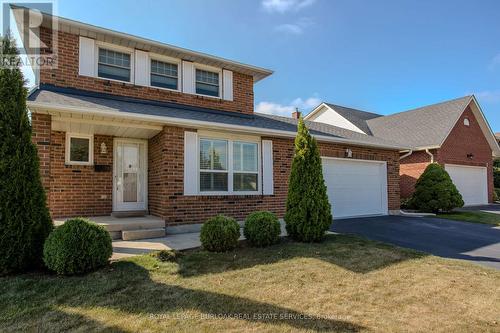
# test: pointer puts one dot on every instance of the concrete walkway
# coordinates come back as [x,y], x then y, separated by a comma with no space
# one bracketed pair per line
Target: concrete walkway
[181,241]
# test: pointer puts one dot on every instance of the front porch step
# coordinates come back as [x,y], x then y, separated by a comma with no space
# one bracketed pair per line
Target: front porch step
[130,213]
[143,234]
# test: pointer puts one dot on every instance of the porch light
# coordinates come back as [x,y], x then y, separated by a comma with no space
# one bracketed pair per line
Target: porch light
[348,153]
[470,156]
[104,149]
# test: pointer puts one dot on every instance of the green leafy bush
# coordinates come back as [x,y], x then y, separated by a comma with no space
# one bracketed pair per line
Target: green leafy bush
[220,234]
[308,212]
[262,229]
[78,246]
[496,194]
[25,221]
[496,177]
[435,191]
[166,255]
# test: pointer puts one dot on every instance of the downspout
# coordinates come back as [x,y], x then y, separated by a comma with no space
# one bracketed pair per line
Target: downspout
[406,155]
[430,154]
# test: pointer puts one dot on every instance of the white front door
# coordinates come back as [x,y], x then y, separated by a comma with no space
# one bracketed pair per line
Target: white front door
[130,180]
[471,182]
[355,187]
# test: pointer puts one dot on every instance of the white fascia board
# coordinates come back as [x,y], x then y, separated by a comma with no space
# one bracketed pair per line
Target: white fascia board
[46,107]
[332,117]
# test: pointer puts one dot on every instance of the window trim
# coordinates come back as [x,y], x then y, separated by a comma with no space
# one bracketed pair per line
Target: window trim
[116,48]
[208,69]
[67,154]
[166,59]
[230,172]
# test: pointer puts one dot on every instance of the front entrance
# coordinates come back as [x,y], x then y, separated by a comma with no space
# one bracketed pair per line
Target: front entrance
[130,175]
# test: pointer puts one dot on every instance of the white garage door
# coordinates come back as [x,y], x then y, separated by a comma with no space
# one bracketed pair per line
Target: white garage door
[356,187]
[472,182]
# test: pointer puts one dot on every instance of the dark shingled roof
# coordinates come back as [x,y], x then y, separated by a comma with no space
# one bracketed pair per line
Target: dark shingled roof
[427,126]
[357,117]
[69,97]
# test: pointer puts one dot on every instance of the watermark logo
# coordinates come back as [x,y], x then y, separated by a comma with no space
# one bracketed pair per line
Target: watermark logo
[33,25]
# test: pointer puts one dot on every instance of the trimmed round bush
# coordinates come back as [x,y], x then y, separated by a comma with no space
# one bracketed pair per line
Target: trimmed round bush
[262,229]
[435,191]
[220,234]
[78,246]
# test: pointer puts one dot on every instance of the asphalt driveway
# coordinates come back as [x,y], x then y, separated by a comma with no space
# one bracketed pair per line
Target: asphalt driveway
[479,243]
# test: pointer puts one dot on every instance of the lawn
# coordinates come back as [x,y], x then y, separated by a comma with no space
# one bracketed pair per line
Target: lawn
[343,284]
[475,217]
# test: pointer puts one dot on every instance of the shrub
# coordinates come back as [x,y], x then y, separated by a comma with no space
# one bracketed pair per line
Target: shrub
[496,194]
[435,191]
[308,212]
[262,229]
[406,203]
[220,234]
[25,222]
[496,177]
[78,246]
[166,255]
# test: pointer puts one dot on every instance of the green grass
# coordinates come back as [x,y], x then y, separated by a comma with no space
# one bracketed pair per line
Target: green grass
[475,217]
[343,284]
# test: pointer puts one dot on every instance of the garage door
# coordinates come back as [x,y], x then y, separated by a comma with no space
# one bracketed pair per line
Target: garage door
[472,182]
[356,187]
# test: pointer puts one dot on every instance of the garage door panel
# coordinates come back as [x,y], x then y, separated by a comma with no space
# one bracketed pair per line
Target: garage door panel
[471,182]
[356,187]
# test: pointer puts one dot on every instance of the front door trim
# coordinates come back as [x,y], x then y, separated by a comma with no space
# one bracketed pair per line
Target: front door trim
[144,162]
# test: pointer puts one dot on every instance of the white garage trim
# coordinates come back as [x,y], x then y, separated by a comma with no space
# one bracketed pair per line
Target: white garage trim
[356,187]
[471,182]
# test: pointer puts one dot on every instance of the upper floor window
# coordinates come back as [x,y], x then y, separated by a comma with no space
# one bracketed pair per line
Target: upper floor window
[164,75]
[113,65]
[207,83]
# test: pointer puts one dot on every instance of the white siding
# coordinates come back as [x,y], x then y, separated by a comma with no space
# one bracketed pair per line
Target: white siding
[188,77]
[227,81]
[190,163]
[328,116]
[142,67]
[87,57]
[267,167]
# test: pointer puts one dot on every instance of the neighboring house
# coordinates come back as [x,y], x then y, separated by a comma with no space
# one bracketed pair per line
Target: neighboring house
[126,125]
[453,133]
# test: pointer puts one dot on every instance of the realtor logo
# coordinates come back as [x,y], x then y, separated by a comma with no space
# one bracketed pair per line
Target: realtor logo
[33,24]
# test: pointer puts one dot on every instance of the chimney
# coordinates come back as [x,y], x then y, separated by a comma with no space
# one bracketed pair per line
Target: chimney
[296,114]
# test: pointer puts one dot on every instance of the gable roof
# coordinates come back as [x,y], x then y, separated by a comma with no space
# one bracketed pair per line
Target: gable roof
[356,117]
[49,98]
[423,127]
[146,44]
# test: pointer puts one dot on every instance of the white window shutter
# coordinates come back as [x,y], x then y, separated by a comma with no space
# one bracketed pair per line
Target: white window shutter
[267,167]
[190,163]
[87,56]
[188,77]
[141,68]
[227,81]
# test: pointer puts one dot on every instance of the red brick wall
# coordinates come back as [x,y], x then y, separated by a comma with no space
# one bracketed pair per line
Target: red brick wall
[462,140]
[410,169]
[72,190]
[465,140]
[66,75]
[166,175]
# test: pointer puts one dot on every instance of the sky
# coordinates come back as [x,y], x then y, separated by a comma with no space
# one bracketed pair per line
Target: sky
[379,56]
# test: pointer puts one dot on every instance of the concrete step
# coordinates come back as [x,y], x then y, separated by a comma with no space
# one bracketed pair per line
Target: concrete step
[143,233]
[130,213]
[115,234]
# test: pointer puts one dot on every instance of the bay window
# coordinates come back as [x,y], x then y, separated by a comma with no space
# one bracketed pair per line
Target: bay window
[228,166]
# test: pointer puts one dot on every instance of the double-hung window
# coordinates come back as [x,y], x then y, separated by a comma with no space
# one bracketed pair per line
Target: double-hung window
[228,166]
[164,74]
[113,65]
[213,165]
[207,83]
[245,166]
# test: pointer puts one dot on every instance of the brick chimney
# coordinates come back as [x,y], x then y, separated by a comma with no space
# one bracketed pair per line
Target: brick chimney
[296,114]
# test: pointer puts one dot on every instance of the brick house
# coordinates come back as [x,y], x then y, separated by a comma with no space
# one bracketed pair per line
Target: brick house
[126,125]
[454,134]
